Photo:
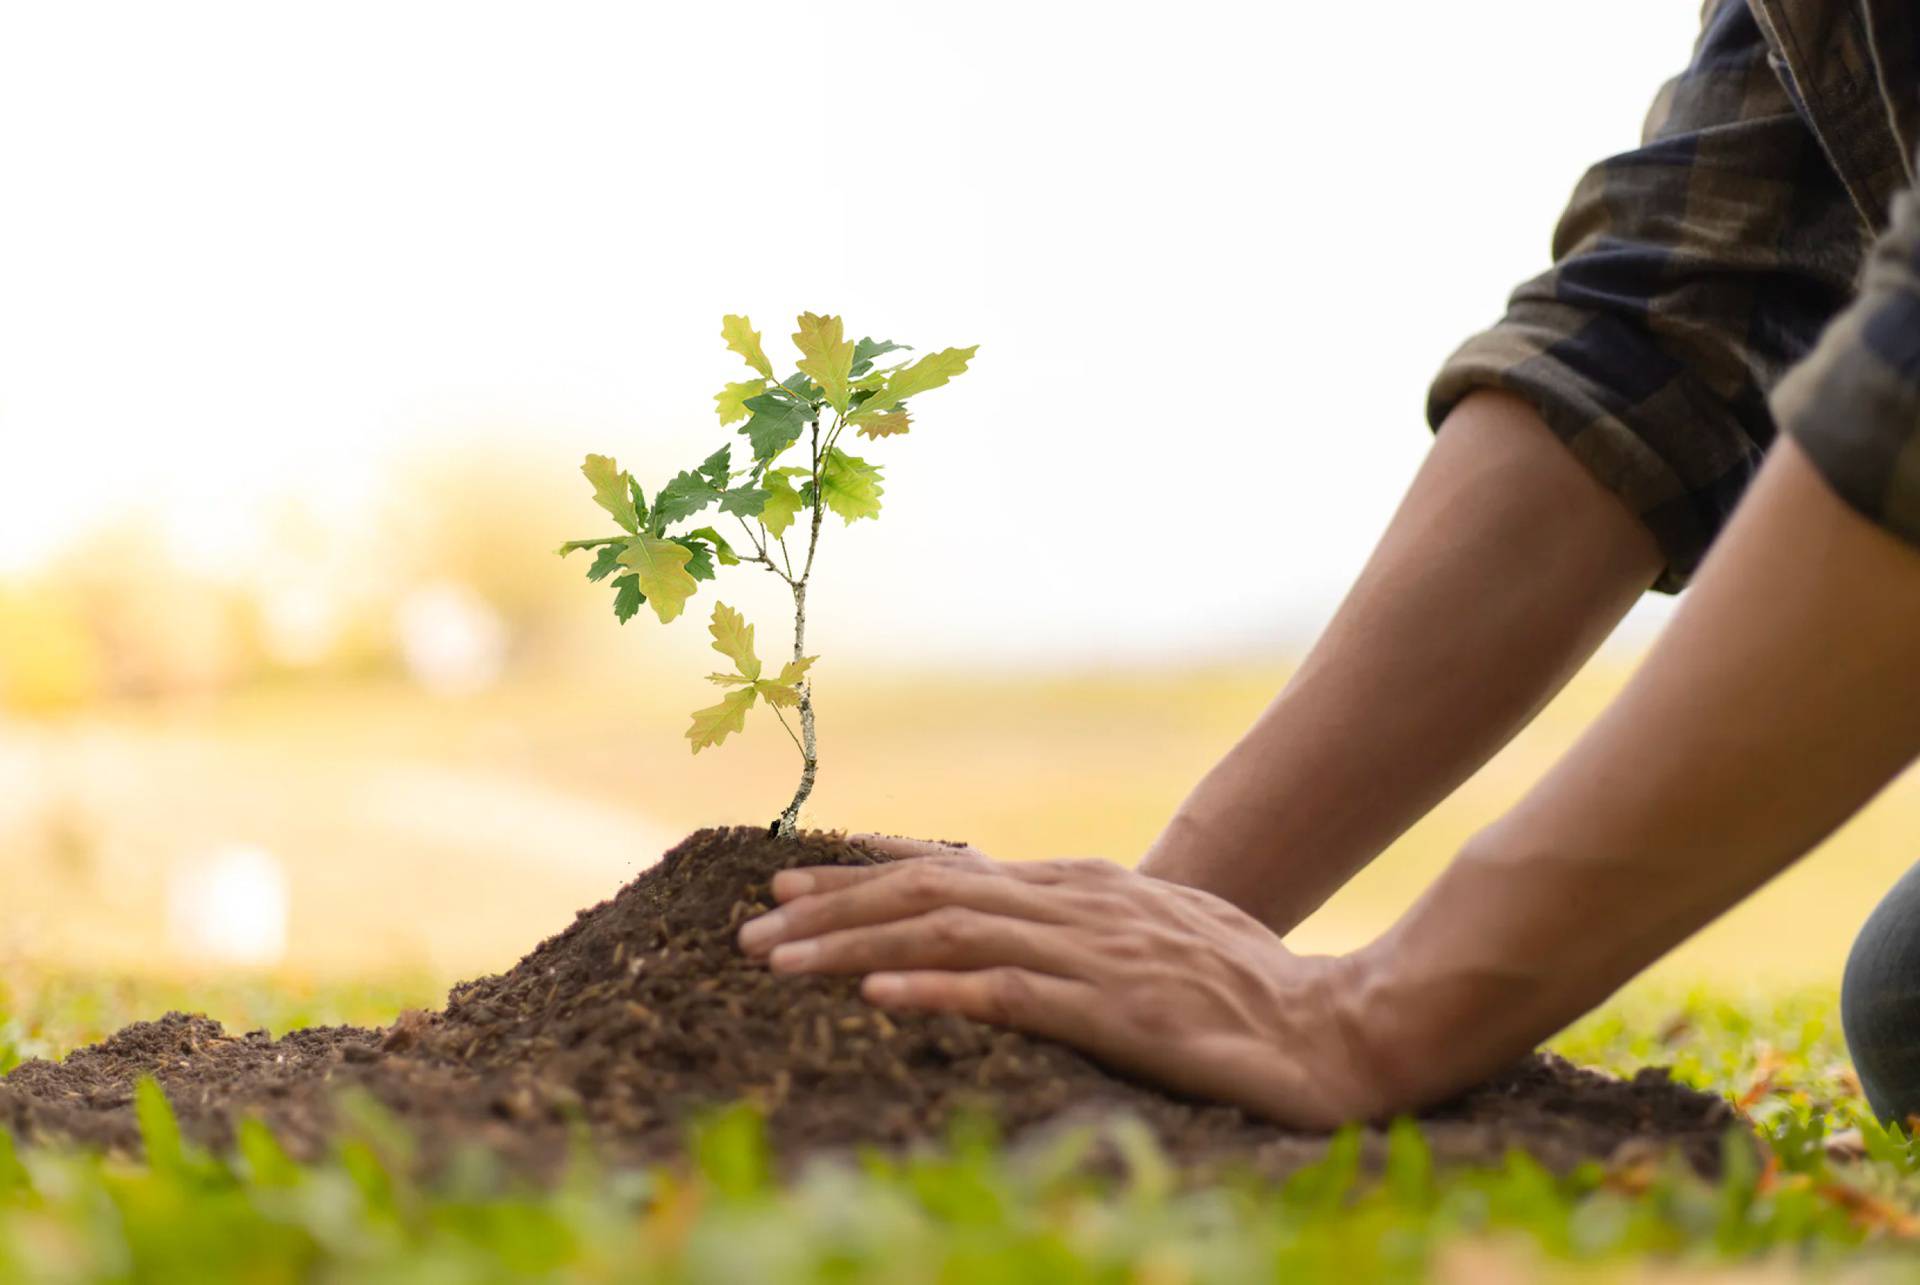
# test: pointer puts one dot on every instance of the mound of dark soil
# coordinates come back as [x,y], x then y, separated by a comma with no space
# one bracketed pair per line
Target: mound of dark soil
[643,1012]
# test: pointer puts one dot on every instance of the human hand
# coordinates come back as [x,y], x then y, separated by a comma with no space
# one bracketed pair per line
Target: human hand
[1162,981]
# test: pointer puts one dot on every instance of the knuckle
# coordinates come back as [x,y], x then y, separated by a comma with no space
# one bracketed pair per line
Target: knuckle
[949,925]
[1156,999]
[1106,906]
[853,948]
[1155,1014]
[923,880]
[1008,994]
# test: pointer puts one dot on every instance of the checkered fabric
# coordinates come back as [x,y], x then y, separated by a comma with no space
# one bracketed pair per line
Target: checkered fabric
[1694,276]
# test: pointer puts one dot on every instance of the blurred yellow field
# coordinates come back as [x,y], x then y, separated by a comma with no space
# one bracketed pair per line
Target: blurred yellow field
[424,836]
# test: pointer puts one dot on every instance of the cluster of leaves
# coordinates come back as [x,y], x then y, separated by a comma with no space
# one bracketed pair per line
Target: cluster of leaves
[838,384]
[733,638]
[659,569]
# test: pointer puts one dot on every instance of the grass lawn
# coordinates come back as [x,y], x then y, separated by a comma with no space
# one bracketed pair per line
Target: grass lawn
[1837,1194]
[459,814]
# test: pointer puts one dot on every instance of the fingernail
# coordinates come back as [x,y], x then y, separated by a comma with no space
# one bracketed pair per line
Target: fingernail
[885,988]
[793,955]
[792,883]
[757,934]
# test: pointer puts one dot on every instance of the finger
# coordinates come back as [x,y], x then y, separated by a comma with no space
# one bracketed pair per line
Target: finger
[801,880]
[908,889]
[1054,1007]
[947,938]
[892,845]
[1055,871]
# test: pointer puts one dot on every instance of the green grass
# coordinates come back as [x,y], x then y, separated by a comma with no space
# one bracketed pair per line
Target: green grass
[973,1212]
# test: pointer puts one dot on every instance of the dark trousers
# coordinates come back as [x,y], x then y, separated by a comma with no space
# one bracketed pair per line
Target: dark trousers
[1880,1003]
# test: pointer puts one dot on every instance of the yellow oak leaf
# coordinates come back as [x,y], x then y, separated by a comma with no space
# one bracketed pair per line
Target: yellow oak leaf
[661,567]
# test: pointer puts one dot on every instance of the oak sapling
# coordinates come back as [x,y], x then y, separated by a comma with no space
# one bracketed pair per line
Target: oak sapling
[838,384]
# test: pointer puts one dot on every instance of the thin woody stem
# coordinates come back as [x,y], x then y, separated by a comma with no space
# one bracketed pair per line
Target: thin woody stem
[753,539]
[809,744]
[760,551]
[788,729]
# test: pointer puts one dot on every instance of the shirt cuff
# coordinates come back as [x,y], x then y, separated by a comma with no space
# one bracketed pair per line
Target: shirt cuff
[1639,420]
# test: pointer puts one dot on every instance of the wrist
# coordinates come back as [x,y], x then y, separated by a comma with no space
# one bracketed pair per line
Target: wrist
[1388,1054]
[1248,858]
[1470,979]
[1177,853]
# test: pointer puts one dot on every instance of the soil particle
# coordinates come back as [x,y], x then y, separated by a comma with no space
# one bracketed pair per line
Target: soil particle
[643,1012]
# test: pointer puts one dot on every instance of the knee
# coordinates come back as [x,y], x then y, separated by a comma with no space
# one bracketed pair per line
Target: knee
[1880,1004]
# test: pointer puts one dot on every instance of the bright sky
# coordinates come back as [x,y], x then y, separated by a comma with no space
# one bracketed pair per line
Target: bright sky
[1211,252]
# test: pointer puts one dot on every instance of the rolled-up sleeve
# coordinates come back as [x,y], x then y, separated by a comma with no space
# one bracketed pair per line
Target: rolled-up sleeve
[1689,276]
[1854,404]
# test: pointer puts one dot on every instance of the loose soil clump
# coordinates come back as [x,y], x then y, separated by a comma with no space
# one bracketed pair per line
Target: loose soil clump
[643,1013]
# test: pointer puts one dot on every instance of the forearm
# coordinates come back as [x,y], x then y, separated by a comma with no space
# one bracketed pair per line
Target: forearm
[1781,698]
[1505,566]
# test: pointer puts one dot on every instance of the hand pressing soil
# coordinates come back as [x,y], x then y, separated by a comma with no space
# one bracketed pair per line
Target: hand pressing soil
[644,1012]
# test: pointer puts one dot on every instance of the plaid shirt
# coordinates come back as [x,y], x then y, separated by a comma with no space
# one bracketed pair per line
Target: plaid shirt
[1747,266]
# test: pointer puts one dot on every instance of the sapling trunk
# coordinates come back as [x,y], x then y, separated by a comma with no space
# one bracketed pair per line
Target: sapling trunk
[652,565]
[809,745]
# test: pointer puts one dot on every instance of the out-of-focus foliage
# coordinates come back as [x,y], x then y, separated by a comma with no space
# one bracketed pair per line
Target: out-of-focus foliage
[49,660]
[121,615]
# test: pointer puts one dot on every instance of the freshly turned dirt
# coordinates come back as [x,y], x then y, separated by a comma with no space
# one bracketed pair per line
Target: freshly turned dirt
[643,1012]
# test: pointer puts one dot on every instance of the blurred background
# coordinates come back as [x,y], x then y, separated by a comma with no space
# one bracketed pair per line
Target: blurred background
[308,315]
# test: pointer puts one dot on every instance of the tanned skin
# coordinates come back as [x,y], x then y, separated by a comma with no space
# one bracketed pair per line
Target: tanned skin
[1780,699]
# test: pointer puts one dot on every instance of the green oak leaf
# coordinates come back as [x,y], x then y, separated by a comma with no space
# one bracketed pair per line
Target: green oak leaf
[867,349]
[605,562]
[745,340]
[850,486]
[826,354]
[721,548]
[611,490]
[867,385]
[747,501]
[888,423]
[783,502]
[684,496]
[627,597]
[700,565]
[660,566]
[931,371]
[802,387]
[691,491]
[733,638]
[715,723]
[731,401]
[775,425]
